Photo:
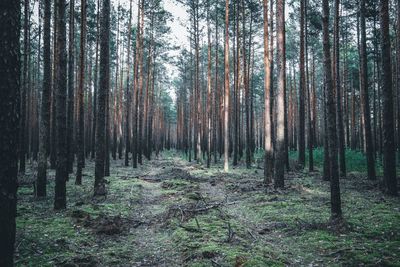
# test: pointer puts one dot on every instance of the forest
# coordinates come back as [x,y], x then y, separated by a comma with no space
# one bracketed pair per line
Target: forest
[199,133]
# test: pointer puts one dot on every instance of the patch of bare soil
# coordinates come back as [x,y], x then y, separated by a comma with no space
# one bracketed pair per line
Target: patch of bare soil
[104,224]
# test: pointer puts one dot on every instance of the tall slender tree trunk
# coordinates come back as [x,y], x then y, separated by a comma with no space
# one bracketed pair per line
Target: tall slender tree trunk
[280,100]
[81,123]
[246,90]
[71,86]
[302,89]
[337,85]
[226,97]
[365,95]
[136,90]
[127,90]
[336,210]
[25,87]
[141,87]
[268,153]
[45,107]
[209,103]
[53,138]
[60,201]
[389,153]
[99,183]
[216,88]
[10,26]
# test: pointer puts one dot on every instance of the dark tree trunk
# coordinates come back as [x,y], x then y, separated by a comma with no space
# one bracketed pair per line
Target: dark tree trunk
[45,108]
[302,90]
[99,183]
[127,90]
[95,82]
[336,210]
[60,201]
[389,152]
[25,86]
[81,116]
[53,112]
[9,120]
[337,83]
[71,86]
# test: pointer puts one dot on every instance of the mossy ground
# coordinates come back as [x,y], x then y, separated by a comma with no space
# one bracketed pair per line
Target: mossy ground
[169,212]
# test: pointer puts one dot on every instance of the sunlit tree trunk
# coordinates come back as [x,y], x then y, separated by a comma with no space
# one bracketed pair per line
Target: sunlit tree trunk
[280,96]
[226,97]
[268,153]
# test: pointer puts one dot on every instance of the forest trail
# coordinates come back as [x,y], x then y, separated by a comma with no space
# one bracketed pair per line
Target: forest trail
[170,212]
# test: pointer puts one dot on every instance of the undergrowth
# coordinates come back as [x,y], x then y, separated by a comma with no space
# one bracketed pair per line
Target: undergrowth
[218,219]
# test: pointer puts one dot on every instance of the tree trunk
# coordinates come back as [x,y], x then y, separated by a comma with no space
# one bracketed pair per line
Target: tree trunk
[302,90]
[81,123]
[226,101]
[280,100]
[25,86]
[45,107]
[268,153]
[365,95]
[336,211]
[9,116]
[99,183]
[71,86]
[60,201]
[127,90]
[337,85]
[53,112]
[389,153]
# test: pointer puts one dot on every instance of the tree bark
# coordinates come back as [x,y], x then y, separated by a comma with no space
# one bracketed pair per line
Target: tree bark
[302,90]
[10,26]
[60,201]
[99,183]
[336,211]
[365,95]
[71,86]
[389,153]
[280,100]
[268,153]
[226,98]
[337,85]
[45,107]
[81,123]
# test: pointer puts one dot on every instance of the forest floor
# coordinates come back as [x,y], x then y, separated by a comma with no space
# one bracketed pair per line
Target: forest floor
[169,212]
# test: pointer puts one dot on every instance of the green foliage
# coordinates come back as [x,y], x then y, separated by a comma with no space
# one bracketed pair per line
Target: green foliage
[355,160]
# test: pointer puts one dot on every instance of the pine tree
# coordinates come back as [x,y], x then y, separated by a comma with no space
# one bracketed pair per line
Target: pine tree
[336,210]
[280,160]
[389,153]
[60,201]
[99,183]
[9,119]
